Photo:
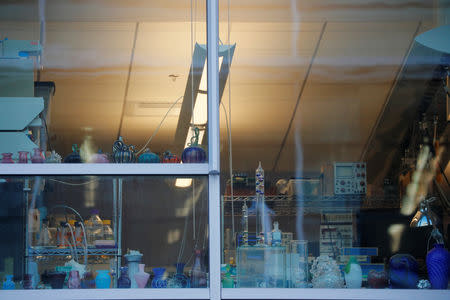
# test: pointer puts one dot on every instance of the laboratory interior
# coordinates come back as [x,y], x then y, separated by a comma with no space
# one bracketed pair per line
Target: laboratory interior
[328,133]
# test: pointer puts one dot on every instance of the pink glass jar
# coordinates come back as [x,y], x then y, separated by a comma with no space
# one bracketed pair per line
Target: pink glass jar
[7,158]
[23,157]
[38,157]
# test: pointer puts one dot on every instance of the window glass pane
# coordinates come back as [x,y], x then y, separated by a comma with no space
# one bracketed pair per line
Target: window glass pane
[333,128]
[46,223]
[94,71]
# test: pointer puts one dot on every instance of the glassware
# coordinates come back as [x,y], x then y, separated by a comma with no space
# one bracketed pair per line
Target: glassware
[38,156]
[53,158]
[88,281]
[326,273]
[99,158]
[179,280]
[438,266]
[96,226]
[148,157]
[124,281]
[298,263]
[353,274]
[23,157]
[27,282]
[133,258]
[108,233]
[8,284]
[123,153]
[194,153]
[103,279]
[7,158]
[74,281]
[158,281]
[198,277]
[141,277]
[74,157]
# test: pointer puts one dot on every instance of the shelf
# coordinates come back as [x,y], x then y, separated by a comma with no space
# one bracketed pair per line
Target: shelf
[66,251]
[348,294]
[281,205]
[106,294]
[104,169]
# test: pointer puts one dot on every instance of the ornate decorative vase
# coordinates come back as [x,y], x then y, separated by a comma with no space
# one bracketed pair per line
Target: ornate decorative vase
[7,158]
[179,280]
[141,277]
[74,157]
[170,158]
[194,153]
[158,281]
[23,157]
[74,281]
[326,273]
[124,281]
[123,153]
[403,271]
[103,280]
[438,264]
[148,157]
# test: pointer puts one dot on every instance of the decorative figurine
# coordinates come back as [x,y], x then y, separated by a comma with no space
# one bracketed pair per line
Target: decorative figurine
[403,271]
[438,265]
[141,277]
[148,157]
[353,274]
[377,280]
[99,158]
[74,157]
[103,280]
[123,153]
[169,158]
[53,158]
[326,273]
[194,153]
[158,281]
[7,158]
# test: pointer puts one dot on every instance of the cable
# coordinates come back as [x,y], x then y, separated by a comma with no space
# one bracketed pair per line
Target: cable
[74,184]
[159,126]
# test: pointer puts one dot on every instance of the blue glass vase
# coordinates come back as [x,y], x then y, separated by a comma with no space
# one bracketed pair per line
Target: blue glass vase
[438,264]
[179,280]
[158,281]
[8,284]
[103,280]
[124,281]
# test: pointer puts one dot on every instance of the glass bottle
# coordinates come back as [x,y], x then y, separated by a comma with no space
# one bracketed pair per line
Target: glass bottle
[276,235]
[108,233]
[198,279]
[96,225]
[74,281]
[79,235]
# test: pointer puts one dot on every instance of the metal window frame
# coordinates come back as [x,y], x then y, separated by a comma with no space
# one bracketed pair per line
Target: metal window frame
[212,170]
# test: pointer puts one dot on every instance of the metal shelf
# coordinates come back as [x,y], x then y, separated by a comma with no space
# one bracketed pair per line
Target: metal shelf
[281,205]
[66,251]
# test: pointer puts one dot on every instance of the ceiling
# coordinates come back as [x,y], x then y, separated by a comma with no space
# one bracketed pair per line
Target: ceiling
[307,84]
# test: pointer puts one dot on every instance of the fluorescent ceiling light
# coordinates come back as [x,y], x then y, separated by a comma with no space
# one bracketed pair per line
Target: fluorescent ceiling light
[183,182]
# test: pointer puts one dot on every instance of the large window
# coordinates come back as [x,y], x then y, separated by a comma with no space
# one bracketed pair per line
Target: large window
[218,149]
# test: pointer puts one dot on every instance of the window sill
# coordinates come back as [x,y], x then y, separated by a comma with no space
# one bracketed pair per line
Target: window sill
[104,169]
[348,294]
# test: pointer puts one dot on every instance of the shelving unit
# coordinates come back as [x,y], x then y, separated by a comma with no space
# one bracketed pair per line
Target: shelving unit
[32,252]
[281,205]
